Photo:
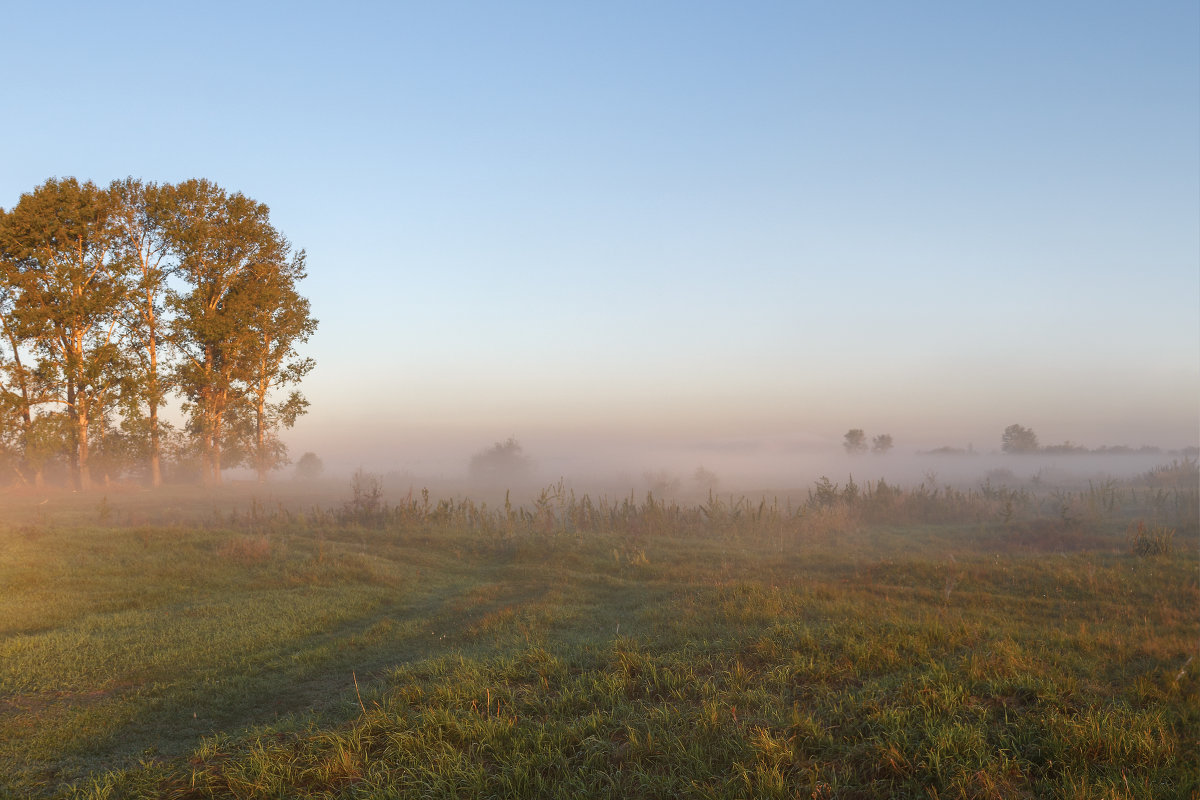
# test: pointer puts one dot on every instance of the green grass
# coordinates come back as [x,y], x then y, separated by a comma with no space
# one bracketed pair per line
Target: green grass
[885,644]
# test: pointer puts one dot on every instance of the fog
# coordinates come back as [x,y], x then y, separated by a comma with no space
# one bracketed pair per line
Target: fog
[687,470]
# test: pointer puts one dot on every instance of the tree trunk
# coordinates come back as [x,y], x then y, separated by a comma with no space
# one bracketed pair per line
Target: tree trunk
[207,439]
[155,461]
[85,472]
[260,452]
[207,457]
[216,431]
[73,415]
[216,451]
[155,458]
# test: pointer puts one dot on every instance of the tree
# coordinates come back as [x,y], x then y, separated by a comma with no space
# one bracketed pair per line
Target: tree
[223,241]
[881,443]
[138,211]
[502,462]
[18,392]
[276,319]
[70,297]
[1019,439]
[855,441]
[309,467]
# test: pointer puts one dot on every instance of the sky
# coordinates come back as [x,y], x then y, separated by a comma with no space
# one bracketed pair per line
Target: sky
[695,224]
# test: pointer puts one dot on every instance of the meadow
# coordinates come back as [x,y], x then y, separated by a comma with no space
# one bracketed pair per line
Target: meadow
[856,641]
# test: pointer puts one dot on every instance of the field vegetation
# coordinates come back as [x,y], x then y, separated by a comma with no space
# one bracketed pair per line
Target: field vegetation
[864,640]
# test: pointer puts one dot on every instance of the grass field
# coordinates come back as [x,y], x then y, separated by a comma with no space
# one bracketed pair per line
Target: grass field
[864,642]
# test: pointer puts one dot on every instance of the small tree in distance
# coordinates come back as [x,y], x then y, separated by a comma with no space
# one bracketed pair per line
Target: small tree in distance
[309,467]
[502,462]
[881,444]
[1019,439]
[855,441]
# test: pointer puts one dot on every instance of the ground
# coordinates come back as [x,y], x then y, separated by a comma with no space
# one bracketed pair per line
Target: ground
[875,642]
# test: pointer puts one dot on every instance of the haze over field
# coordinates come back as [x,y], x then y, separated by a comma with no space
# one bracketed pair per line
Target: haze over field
[655,237]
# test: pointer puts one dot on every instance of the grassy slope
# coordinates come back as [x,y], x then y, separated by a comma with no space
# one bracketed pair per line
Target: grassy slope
[974,660]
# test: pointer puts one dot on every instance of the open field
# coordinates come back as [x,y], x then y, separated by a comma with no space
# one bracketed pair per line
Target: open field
[866,642]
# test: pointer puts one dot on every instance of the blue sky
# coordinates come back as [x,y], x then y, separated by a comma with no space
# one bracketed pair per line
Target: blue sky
[676,221]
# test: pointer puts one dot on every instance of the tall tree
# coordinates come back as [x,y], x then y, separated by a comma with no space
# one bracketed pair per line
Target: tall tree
[276,319]
[855,441]
[139,215]
[71,293]
[221,241]
[16,402]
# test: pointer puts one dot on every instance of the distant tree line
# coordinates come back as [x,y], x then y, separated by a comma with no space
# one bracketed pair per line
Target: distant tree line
[1020,440]
[113,299]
